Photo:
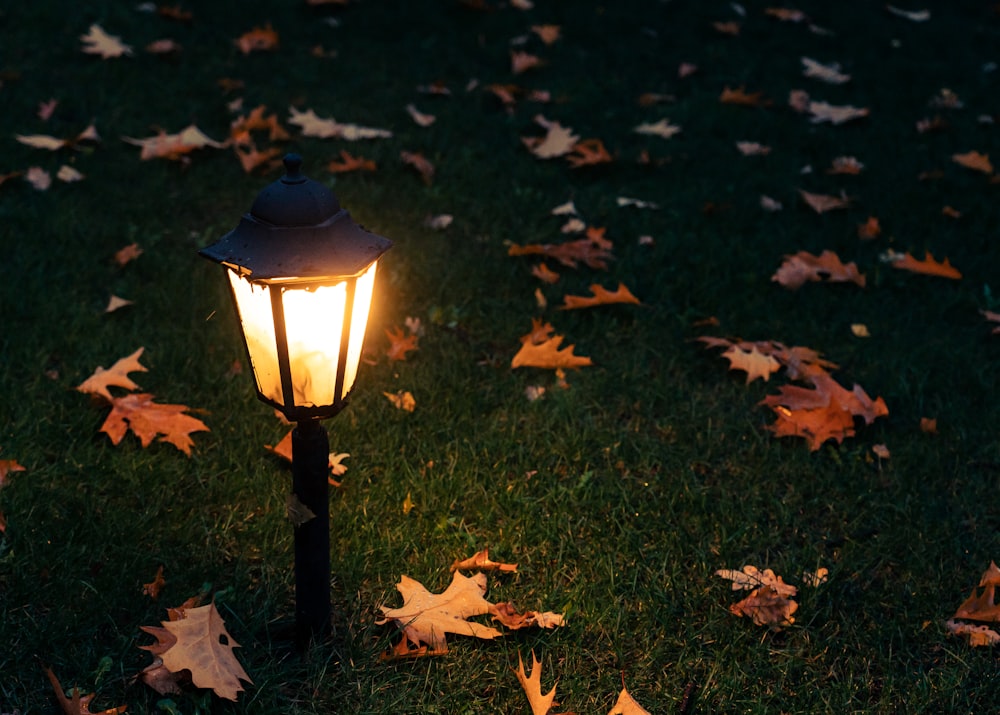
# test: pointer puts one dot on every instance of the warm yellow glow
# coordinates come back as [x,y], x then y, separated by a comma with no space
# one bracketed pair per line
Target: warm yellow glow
[359,321]
[314,322]
[253,302]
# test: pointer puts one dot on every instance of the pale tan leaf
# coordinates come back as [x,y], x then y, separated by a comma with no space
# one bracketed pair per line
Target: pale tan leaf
[97,42]
[626,705]
[422,119]
[753,362]
[205,648]
[38,178]
[830,74]
[481,561]
[540,703]
[662,128]
[558,140]
[115,303]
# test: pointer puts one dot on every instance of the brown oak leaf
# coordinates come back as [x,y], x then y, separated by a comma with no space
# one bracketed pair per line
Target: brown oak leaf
[803,267]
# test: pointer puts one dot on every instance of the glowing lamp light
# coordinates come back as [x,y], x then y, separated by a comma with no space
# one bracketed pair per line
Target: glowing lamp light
[302,276]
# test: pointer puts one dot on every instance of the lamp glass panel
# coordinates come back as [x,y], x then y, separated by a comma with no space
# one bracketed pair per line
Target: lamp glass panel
[253,303]
[314,322]
[359,320]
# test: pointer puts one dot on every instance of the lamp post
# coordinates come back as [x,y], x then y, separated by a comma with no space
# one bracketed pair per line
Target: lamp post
[302,274]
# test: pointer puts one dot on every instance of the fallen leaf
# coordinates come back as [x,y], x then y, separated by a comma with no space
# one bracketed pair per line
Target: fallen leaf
[173,146]
[753,149]
[97,42]
[626,705]
[731,28]
[548,34]
[601,296]
[951,212]
[860,330]
[558,140]
[881,451]
[259,39]
[845,165]
[548,355]
[46,109]
[798,269]
[786,14]
[9,466]
[68,174]
[870,229]
[313,125]
[815,579]
[199,643]
[148,419]
[594,251]
[540,702]
[127,254]
[686,69]
[439,222]
[588,153]
[38,178]
[421,119]
[153,588]
[422,166]
[648,99]
[766,607]
[116,303]
[980,608]
[821,203]
[742,97]
[750,577]
[402,400]
[662,128]
[974,160]
[753,362]
[769,204]
[823,111]
[521,62]
[623,201]
[426,618]
[936,124]
[164,46]
[913,15]
[78,704]
[545,274]
[408,505]
[480,561]
[350,163]
[115,376]
[830,74]
[976,635]
[929,266]
[399,343]
[928,425]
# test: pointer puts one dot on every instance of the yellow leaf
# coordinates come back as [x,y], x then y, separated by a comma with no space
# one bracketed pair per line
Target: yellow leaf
[540,703]
[626,705]
[115,376]
[548,355]
[402,400]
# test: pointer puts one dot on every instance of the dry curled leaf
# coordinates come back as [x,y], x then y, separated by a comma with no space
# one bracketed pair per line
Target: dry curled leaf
[481,561]
[803,267]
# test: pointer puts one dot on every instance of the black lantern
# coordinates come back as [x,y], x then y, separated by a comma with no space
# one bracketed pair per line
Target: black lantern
[302,276]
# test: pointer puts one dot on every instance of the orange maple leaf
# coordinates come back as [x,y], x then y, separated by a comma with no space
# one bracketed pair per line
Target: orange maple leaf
[251,158]
[257,39]
[350,163]
[803,267]
[587,153]
[974,160]
[548,355]
[240,128]
[928,266]
[540,332]
[148,419]
[114,376]
[601,296]
[742,97]
[400,343]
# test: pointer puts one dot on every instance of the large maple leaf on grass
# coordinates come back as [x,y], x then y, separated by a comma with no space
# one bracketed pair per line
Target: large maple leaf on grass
[148,420]
[426,618]
[198,642]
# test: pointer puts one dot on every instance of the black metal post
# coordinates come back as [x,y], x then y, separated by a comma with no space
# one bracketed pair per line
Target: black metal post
[310,472]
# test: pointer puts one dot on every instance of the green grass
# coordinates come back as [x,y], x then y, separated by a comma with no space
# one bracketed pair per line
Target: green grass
[620,497]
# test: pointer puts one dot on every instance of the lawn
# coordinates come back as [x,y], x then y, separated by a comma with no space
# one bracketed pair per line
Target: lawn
[619,497]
